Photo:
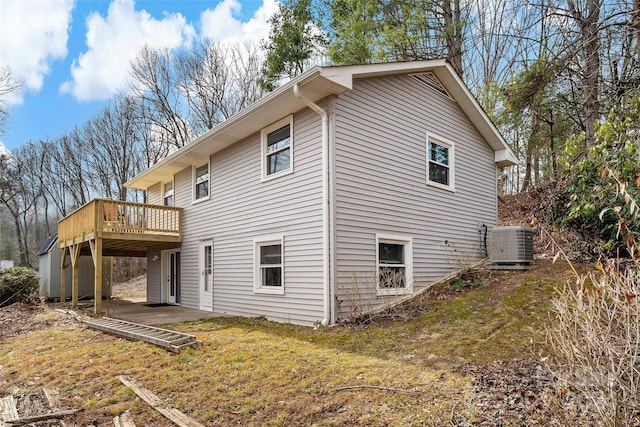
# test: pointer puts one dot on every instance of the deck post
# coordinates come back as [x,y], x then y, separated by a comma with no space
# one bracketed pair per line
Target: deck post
[63,275]
[74,252]
[97,308]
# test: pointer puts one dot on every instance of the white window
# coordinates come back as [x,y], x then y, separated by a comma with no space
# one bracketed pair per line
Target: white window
[277,148]
[168,193]
[440,172]
[394,264]
[201,182]
[269,265]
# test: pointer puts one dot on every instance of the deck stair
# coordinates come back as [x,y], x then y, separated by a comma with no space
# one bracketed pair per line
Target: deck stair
[170,340]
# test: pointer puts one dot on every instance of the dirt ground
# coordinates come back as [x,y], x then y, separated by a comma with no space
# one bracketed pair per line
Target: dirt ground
[134,289]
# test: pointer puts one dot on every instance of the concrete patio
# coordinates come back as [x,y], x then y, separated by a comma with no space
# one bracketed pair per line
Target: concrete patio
[141,312]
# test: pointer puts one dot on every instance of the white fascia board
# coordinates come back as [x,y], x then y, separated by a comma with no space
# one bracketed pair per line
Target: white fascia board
[470,106]
[452,83]
[504,158]
[268,109]
[383,69]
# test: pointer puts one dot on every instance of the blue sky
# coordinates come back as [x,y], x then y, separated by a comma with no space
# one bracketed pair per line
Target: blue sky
[73,55]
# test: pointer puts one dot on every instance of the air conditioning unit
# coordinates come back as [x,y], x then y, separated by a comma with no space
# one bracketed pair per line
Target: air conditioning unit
[511,247]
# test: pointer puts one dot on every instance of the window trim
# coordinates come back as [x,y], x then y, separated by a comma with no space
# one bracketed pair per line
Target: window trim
[451,147]
[264,133]
[257,276]
[193,182]
[407,241]
[173,192]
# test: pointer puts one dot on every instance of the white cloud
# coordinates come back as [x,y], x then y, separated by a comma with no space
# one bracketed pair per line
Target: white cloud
[224,24]
[3,149]
[113,42]
[32,35]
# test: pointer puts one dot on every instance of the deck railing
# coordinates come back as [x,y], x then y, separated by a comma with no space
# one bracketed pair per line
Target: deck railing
[103,216]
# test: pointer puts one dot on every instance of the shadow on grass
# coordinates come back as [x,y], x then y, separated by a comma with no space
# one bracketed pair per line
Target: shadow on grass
[496,322]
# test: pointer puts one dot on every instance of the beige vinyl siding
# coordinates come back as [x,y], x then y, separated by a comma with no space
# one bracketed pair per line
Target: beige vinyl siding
[240,209]
[154,264]
[380,185]
[154,194]
[154,281]
[191,236]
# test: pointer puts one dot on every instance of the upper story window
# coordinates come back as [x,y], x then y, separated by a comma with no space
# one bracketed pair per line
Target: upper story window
[201,182]
[277,148]
[168,193]
[440,163]
[395,264]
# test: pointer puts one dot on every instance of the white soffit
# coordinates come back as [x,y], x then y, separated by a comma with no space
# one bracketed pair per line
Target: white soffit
[316,84]
[247,122]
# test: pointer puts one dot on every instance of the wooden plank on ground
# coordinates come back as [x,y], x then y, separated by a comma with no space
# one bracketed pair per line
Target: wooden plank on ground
[28,420]
[124,420]
[53,397]
[148,396]
[9,411]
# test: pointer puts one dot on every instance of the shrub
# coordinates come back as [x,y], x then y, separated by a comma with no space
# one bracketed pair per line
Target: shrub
[593,339]
[590,189]
[594,342]
[18,284]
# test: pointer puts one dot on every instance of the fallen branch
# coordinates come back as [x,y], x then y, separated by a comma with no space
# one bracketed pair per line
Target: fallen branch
[375,387]
[154,401]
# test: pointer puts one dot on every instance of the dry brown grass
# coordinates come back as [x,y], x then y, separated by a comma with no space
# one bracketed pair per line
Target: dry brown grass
[253,372]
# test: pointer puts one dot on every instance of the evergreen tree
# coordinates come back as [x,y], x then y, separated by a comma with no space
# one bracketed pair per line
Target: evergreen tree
[294,42]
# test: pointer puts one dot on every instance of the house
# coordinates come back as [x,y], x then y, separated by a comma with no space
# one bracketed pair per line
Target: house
[49,261]
[345,189]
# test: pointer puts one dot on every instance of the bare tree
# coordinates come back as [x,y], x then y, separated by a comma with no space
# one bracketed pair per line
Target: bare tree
[635,25]
[218,80]
[113,150]
[20,191]
[55,179]
[245,64]
[203,79]
[71,167]
[586,14]
[8,85]
[155,85]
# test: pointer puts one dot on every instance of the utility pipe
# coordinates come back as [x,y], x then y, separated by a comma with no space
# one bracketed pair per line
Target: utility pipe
[326,282]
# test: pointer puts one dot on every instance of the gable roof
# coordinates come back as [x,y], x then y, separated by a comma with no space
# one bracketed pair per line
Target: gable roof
[318,83]
[48,244]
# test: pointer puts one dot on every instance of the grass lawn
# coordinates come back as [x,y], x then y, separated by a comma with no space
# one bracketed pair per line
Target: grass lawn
[254,372]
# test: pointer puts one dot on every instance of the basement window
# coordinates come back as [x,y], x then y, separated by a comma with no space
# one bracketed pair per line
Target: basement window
[394,265]
[269,265]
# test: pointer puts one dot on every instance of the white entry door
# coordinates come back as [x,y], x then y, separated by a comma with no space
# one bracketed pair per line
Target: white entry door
[171,277]
[206,275]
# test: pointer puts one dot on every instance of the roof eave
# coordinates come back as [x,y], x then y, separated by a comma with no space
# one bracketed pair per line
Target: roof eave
[250,120]
[474,111]
[319,82]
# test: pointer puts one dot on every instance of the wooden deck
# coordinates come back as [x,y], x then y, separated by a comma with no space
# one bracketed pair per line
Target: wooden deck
[105,227]
[120,221]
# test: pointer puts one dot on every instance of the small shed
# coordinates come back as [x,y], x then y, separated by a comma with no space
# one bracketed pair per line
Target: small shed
[49,256]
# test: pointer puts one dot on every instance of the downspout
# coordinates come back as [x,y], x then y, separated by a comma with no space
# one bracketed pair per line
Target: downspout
[326,283]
